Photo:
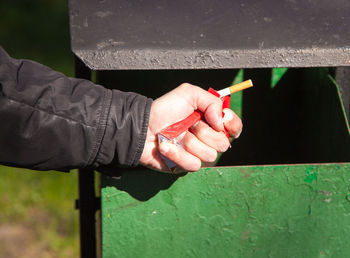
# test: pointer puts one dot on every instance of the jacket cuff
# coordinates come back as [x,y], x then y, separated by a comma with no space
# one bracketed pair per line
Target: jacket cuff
[126,129]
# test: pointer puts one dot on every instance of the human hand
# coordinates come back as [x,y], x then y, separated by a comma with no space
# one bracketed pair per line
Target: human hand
[202,142]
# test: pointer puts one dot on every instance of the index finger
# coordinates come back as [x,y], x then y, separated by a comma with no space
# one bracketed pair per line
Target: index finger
[210,105]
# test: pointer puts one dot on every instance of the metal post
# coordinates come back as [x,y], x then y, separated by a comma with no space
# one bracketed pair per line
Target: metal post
[87,200]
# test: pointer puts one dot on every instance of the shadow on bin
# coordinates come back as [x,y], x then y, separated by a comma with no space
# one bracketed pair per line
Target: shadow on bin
[142,184]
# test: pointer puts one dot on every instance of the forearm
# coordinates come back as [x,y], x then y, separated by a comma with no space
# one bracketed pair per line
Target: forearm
[50,121]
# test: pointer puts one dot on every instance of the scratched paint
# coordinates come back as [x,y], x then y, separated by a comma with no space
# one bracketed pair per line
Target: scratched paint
[311,175]
[274,211]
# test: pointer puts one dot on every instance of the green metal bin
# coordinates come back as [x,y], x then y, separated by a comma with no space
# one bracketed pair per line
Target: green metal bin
[283,188]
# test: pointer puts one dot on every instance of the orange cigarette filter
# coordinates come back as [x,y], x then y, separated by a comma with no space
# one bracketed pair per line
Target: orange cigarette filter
[235,88]
[241,86]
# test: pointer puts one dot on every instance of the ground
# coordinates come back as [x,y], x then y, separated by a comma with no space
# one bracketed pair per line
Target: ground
[37,217]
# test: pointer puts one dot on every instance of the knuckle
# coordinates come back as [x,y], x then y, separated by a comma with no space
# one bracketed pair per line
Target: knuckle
[188,141]
[218,101]
[212,156]
[185,86]
[174,155]
[203,132]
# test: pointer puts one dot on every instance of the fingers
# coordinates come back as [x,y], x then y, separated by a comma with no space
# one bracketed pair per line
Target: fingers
[202,143]
[210,137]
[213,115]
[197,148]
[204,140]
[233,124]
[180,156]
[191,156]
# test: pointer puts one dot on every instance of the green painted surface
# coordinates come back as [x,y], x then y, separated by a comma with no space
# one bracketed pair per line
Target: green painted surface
[292,116]
[276,76]
[236,99]
[254,211]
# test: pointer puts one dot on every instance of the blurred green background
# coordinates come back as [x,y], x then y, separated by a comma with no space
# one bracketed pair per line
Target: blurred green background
[37,217]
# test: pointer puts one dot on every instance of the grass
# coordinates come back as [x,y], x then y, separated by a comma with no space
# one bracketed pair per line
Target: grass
[41,206]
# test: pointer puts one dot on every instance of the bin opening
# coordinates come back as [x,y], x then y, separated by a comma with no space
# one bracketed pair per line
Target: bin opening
[298,120]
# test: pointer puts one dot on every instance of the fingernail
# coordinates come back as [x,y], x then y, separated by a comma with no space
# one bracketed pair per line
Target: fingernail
[220,121]
[238,134]
[228,116]
[164,148]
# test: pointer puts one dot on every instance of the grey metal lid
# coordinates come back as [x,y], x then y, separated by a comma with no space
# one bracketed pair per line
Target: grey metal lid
[207,34]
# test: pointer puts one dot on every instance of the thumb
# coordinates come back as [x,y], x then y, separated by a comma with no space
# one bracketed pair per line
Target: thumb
[211,106]
[213,116]
[232,122]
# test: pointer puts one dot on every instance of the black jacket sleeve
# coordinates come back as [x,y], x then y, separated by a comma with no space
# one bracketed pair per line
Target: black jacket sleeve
[50,121]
